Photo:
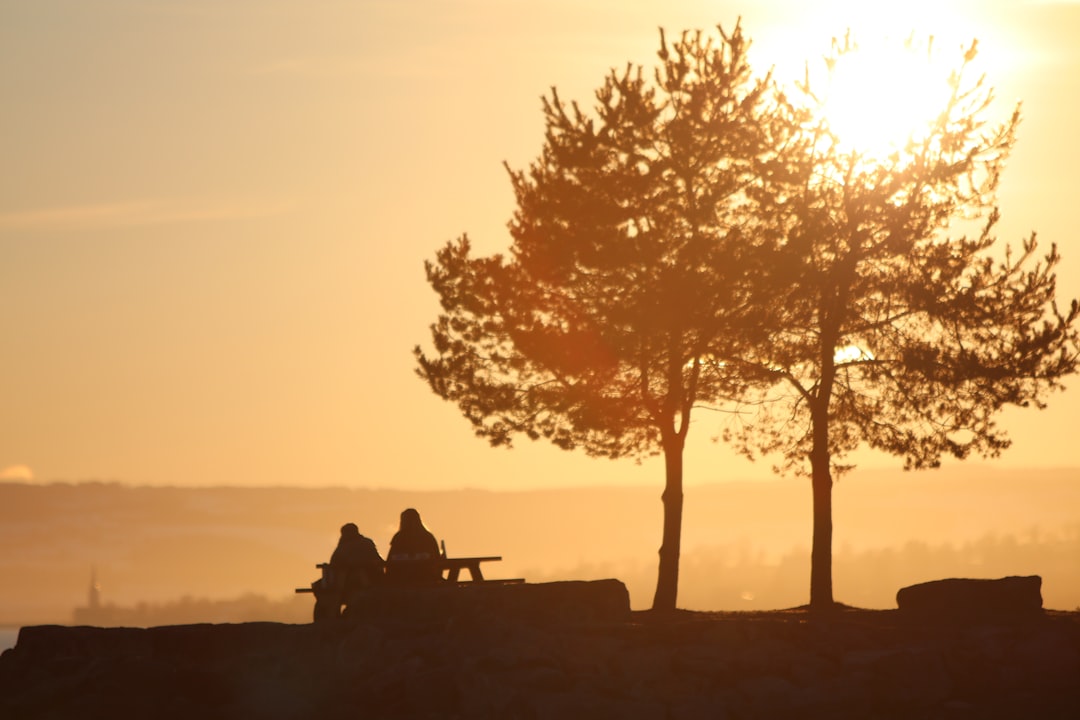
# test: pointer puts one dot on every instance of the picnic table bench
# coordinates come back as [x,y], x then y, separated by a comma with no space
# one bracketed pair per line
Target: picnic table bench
[452,568]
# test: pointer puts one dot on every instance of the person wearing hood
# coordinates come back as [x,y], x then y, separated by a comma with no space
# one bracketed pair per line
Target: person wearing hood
[414,553]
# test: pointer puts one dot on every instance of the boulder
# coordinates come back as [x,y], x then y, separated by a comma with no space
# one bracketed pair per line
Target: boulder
[969,600]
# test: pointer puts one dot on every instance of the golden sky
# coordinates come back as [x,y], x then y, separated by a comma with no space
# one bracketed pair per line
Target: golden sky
[214,217]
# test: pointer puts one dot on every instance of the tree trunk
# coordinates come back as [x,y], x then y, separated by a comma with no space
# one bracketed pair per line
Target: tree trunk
[667,582]
[821,591]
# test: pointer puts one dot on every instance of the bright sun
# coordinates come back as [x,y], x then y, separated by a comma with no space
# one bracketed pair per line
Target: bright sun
[879,95]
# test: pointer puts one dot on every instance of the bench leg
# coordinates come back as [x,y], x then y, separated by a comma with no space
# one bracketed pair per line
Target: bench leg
[326,609]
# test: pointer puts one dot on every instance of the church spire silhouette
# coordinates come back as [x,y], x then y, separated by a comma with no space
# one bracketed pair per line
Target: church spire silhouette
[93,600]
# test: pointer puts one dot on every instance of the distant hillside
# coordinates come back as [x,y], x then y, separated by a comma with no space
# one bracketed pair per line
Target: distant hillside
[744,547]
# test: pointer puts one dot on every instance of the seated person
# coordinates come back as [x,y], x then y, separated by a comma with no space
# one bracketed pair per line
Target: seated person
[413,553]
[354,566]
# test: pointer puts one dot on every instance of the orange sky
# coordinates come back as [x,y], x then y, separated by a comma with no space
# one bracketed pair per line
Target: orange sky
[214,217]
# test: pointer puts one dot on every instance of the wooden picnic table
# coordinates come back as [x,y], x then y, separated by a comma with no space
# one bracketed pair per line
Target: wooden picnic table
[452,568]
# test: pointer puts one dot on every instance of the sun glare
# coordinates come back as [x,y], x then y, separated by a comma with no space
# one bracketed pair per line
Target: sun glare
[880,95]
[851,354]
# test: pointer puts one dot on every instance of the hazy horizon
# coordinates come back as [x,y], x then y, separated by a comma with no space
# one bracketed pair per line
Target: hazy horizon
[745,545]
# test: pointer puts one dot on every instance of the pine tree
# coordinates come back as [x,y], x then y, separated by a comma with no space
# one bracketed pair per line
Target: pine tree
[901,331]
[632,269]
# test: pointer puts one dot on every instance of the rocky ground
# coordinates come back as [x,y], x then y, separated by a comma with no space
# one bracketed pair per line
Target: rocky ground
[546,663]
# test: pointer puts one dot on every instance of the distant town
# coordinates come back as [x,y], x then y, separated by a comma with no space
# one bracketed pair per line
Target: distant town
[246,608]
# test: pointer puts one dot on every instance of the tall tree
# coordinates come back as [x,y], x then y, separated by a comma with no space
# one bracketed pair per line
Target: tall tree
[632,267]
[902,332]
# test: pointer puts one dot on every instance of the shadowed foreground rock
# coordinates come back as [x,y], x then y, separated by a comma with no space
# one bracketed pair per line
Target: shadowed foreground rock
[560,602]
[560,665]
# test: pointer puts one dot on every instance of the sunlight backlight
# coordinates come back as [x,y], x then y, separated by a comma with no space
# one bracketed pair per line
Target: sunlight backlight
[883,94]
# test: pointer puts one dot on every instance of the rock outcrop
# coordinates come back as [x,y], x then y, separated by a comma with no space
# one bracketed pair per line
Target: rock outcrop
[502,663]
[967,600]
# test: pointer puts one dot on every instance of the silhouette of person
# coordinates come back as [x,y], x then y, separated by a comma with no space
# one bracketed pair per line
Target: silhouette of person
[414,552]
[354,566]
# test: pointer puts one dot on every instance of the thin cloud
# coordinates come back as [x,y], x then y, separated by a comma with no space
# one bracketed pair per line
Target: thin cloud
[399,65]
[308,67]
[134,214]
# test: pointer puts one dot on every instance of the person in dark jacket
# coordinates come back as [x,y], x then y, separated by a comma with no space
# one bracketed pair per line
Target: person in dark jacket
[356,562]
[414,553]
[354,566]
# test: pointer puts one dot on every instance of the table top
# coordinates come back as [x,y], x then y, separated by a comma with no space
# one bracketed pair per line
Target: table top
[467,560]
[445,561]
